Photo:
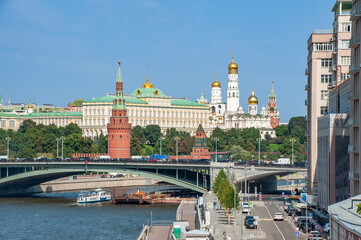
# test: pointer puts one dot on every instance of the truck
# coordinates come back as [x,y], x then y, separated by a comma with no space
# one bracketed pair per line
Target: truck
[282,161]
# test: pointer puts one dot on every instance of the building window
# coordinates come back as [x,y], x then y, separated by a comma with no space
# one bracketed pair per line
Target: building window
[345,60]
[346,27]
[344,76]
[322,47]
[324,110]
[12,124]
[326,78]
[326,62]
[345,44]
[3,123]
[324,94]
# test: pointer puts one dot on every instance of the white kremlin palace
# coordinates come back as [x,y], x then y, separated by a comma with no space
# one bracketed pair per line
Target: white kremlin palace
[149,105]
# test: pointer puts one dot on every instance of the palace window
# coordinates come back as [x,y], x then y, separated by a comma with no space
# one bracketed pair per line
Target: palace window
[326,62]
[326,78]
[3,123]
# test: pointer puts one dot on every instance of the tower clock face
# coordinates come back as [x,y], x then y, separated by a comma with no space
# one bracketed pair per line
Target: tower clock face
[272,109]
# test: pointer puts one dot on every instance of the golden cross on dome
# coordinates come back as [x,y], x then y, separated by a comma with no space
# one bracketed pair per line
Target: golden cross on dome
[233,55]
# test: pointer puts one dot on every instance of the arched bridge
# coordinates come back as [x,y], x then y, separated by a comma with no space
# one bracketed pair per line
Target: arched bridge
[18,176]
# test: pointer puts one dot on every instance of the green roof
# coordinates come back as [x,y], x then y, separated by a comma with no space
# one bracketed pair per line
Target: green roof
[54,114]
[47,114]
[148,92]
[110,98]
[185,102]
[2,114]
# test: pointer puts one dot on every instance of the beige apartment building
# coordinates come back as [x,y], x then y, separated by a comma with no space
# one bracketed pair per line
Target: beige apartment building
[354,147]
[328,61]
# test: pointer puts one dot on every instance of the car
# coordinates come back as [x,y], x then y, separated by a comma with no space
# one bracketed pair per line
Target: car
[314,235]
[300,221]
[251,223]
[246,218]
[326,228]
[291,211]
[278,216]
[246,208]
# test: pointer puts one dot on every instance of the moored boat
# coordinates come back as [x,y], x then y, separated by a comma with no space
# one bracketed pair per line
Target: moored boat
[98,195]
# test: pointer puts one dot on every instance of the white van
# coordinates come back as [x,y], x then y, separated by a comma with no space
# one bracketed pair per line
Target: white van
[282,161]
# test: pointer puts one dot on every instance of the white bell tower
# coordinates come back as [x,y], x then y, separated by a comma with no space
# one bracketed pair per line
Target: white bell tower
[216,92]
[232,90]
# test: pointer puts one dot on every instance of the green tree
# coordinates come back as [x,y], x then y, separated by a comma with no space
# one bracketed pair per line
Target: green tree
[152,133]
[238,153]
[25,125]
[249,146]
[135,147]
[359,208]
[221,176]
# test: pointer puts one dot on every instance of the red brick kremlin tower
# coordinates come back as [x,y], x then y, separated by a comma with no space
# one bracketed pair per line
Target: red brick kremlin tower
[119,128]
[272,109]
[200,148]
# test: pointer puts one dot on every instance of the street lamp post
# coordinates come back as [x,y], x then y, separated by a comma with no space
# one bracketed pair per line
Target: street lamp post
[292,141]
[62,147]
[259,150]
[176,140]
[57,147]
[160,145]
[216,139]
[8,152]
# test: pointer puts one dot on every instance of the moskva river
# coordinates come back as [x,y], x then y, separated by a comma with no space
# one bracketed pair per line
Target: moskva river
[57,216]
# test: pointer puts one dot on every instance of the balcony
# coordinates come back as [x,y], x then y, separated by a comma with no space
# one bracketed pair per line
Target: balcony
[355,41]
[307,72]
[353,175]
[307,87]
[354,68]
[352,149]
[355,14]
[353,94]
[307,102]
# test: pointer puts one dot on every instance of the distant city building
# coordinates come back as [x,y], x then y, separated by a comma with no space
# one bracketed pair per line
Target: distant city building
[231,114]
[327,66]
[355,140]
[13,115]
[119,127]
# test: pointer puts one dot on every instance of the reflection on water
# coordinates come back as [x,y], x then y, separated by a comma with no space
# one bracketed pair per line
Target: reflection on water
[57,216]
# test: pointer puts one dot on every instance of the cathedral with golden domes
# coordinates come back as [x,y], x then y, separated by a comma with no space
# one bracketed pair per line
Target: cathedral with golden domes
[230,114]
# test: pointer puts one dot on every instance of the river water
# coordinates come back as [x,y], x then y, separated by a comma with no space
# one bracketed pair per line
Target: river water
[57,216]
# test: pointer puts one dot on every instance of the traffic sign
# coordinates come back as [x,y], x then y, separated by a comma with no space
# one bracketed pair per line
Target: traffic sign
[283,193]
[297,234]
[310,214]
[295,204]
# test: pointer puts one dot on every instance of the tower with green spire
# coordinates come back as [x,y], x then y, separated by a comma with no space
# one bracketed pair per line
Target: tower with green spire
[119,127]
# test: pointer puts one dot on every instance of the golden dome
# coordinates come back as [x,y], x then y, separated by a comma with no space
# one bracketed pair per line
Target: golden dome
[216,83]
[30,106]
[252,99]
[147,84]
[233,65]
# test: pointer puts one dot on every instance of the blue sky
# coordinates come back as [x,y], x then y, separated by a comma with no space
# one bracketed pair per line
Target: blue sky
[57,51]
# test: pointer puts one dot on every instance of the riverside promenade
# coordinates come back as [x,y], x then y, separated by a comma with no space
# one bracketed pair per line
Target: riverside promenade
[219,222]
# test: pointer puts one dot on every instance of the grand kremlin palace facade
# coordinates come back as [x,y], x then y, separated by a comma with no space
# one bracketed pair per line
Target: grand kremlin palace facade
[146,106]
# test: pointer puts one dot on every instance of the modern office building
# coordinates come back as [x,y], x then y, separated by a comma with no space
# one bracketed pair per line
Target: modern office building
[328,64]
[355,144]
